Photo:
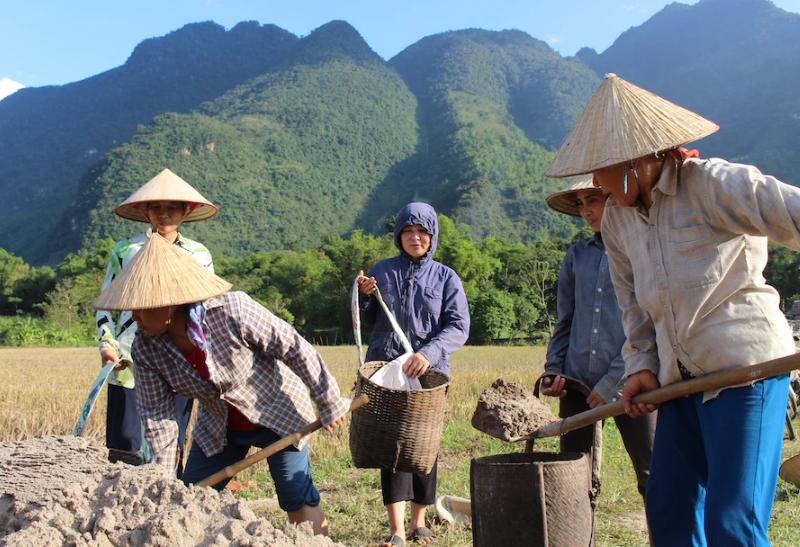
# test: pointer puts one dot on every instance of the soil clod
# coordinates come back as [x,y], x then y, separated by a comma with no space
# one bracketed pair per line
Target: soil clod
[508,411]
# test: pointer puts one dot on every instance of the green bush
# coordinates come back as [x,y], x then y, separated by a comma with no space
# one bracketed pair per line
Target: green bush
[510,286]
[19,331]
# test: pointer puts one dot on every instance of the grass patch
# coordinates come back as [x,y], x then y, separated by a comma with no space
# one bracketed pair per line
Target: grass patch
[44,389]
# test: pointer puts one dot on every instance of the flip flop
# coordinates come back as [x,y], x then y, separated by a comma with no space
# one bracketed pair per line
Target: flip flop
[394,541]
[422,535]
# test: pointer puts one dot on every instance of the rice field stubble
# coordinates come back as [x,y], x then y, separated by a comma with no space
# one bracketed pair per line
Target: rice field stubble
[44,389]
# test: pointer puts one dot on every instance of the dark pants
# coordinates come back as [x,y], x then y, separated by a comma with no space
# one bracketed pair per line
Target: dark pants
[637,435]
[416,487]
[124,426]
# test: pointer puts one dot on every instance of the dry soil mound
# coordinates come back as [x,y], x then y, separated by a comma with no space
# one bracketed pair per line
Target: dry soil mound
[508,410]
[62,491]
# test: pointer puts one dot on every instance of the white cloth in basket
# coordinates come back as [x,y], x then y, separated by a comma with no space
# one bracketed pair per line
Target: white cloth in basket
[391,375]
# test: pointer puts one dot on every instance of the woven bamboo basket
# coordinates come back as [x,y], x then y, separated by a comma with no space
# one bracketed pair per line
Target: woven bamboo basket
[398,430]
[533,499]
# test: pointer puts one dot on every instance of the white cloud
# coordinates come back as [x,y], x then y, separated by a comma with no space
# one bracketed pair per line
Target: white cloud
[553,40]
[8,86]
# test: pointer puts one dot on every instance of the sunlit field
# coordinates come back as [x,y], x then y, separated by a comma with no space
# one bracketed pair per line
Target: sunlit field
[43,391]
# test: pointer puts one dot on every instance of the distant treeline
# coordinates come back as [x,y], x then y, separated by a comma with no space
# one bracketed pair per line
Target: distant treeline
[511,286]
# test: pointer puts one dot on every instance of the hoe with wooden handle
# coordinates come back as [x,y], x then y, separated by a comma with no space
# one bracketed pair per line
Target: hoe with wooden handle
[275,447]
[708,382]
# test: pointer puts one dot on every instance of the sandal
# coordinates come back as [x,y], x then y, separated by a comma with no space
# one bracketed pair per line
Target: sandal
[422,535]
[394,541]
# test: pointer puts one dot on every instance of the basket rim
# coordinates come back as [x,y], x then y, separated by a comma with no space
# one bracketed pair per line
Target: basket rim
[529,458]
[425,389]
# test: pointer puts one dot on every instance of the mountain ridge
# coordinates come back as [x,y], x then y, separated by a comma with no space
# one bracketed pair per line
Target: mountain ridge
[50,136]
[466,119]
[747,86]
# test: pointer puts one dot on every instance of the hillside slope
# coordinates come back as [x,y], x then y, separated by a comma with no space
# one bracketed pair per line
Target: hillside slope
[49,136]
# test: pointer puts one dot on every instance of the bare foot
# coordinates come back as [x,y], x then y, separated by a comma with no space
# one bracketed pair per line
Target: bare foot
[236,486]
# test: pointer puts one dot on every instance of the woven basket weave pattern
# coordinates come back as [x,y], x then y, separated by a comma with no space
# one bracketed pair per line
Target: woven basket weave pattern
[567,490]
[506,494]
[398,430]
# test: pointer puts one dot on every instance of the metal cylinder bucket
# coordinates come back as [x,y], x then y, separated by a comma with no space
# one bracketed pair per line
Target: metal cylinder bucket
[531,499]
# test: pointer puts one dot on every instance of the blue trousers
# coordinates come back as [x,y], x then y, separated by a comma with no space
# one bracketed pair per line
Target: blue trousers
[715,467]
[289,468]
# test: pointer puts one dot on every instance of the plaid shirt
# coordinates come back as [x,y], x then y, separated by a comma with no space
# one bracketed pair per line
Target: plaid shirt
[257,363]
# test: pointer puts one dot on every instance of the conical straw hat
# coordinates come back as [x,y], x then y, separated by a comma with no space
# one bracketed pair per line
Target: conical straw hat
[790,470]
[566,201]
[624,122]
[160,275]
[167,186]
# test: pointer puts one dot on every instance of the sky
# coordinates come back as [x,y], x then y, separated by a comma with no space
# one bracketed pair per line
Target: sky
[53,42]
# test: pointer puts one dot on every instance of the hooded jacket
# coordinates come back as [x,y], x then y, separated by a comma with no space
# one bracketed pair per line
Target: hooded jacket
[425,296]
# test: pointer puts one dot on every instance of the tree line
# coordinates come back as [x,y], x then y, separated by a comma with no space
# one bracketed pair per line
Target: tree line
[510,286]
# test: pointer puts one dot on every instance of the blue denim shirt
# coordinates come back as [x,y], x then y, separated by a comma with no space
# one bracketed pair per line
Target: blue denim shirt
[588,337]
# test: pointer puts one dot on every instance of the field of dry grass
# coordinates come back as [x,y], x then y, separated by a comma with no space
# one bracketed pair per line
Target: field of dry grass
[43,391]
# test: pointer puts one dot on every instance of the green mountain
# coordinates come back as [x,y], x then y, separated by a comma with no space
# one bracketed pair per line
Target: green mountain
[298,139]
[491,104]
[736,62]
[50,136]
[332,139]
[290,156]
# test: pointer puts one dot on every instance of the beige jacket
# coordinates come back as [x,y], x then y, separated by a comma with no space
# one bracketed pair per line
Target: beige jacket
[688,274]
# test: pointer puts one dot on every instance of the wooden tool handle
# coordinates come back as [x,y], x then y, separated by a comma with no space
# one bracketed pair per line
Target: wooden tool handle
[707,382]
[275,447]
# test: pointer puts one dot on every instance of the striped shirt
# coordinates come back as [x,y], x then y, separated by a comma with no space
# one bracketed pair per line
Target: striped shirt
[116,330]
[256,362]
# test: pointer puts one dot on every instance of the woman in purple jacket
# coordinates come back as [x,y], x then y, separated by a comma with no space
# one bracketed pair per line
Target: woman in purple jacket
[428,300]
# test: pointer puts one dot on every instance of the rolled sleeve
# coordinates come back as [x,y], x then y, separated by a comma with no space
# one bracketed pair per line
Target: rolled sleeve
[281,341]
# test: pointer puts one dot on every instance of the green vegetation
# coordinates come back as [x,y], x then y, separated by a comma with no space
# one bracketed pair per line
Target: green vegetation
[51,136]
[45,307]
[302,138]
[290,158]
[781,273]
[322,139]
[510,286]
[484,134]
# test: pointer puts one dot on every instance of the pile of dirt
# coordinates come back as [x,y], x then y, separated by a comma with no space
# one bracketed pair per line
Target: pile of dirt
[62,491]
[508,410]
